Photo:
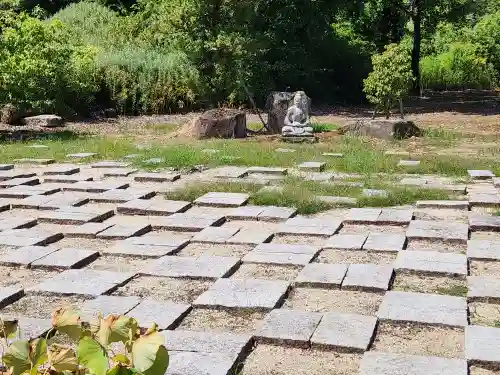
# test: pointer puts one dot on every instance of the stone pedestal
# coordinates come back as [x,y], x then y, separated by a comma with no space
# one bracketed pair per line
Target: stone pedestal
[299,139]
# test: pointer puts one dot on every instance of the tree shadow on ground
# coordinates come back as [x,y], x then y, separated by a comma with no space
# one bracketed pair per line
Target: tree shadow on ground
[468,102]
[19,135]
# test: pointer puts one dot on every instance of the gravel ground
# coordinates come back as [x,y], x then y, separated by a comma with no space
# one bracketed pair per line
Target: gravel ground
[266,271]
[430,284]
[355,257]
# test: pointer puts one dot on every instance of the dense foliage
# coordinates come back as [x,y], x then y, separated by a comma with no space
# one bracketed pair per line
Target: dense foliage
[162,55]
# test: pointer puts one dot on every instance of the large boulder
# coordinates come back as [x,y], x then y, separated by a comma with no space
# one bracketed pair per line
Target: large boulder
[49,121]
[383,129]
[220,123]
[10,115]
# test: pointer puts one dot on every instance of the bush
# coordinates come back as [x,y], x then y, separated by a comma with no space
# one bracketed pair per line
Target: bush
[90,352]
[391,78]
[40,71]
[460,67]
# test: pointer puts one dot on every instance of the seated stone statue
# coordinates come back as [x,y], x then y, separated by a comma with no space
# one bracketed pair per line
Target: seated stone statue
[297,117]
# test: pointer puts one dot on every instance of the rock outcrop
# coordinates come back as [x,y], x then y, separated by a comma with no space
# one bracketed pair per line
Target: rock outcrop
[383,129]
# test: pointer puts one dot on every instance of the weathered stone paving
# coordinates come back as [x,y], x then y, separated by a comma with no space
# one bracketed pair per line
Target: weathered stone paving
[411,290]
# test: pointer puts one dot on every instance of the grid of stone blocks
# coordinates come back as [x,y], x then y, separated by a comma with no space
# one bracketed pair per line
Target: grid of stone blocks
[349,281]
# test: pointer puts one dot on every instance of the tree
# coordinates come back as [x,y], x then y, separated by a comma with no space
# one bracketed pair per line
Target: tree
[390,80]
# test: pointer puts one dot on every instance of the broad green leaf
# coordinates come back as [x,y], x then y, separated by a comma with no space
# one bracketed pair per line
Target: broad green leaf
[114,329]
[38,352]
[92,356]
[120,370]
[121,358]
[62,359]
[68,322]
[149,355]
[8,328]
[17,357]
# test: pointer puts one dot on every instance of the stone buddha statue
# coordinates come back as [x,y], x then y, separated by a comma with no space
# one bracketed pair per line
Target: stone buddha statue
[297,117]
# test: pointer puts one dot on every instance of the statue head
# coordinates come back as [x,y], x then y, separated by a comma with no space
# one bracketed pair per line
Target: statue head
[301,101]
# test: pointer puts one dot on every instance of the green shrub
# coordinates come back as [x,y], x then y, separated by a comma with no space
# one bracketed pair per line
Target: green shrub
[323,128]
[90,351]
[460,67]
[40,71]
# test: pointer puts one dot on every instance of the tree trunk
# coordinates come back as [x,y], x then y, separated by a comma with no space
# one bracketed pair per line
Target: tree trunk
[416,16]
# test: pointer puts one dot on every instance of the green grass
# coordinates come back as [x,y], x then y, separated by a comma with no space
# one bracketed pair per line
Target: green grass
[162,128]
[323,128]
[497,324]
[453,290]
[360,157]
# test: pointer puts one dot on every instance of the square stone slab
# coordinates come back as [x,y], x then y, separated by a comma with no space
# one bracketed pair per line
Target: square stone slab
[214,235]
[288,327]
[484,223]
[244,294]
[483,288]
[19,181]
[75,215]
[483,250]
[97,186]
[17,223]
[140,251]
[111,164]
[317,166]
[346,241]
[409,163]
[119,172]
[152,207]
[222,199]
[6,167]
[186,222]
[87,230]
[166,314]
[310,227]
[198,363]
[69,179]
[375,193]
[24,256]
[388,242]
[9,295]
[431,262]
[33,328]
[33,202]
[268,170]
[484,200]
[290,254]
[378,363]
[423,309]
[476,174]
[64,169]
[23,191]
[363,215]
[320,275]
[251,237]
[84,282]
[390,216]
[122,195]
[276,214]
[347,331]
[207,342]
[81,155]
[244,213]
[16,173]
[203,267]
[28,237]
[157,177]
[438,230]
[120,232]
[34,161]
[107,305]
[64,199]
[66,258]
[369,277]
[456,205]
[229,172]
[481,344]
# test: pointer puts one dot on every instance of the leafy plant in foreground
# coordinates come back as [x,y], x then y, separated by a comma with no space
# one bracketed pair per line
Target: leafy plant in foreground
[90,352]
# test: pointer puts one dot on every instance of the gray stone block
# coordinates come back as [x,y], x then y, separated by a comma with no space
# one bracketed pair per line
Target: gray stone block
[160,239]
[166,314]
[6,167]
[23,191]
[107,305]
[477,174]
[206,342]
[387,242]
[438,230]
[9,295]
[367,277]
[214,235]
[317,166]
[141,251]
[289,327]
[481,344]
[122,195]
[186,222]
[244,213]
[267,170]
[157,177]
[24,256]
[66,258]
[97,186]
[111,164]
[310,227]
[378,363]
[319,275]
[67,179]
[152,207]
[75,215]
[88,230]
[119,172]
[273,213]
[222,199]
[31,328]
[483,250]
[456,205]
[28,237]
[282,254]
[19,181]
[35,161]
[484,200]
[350,332]
[203,267]
[84,282]
[251,237]
[346,241]
[375,193]
[61,169]
[487,223]
[363,215]
[431,262]
[81,155]
[197,363]
[391,216]
[17,223]
[244,293]
[484,288]
[424,309]
[120,232]
[409,163]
